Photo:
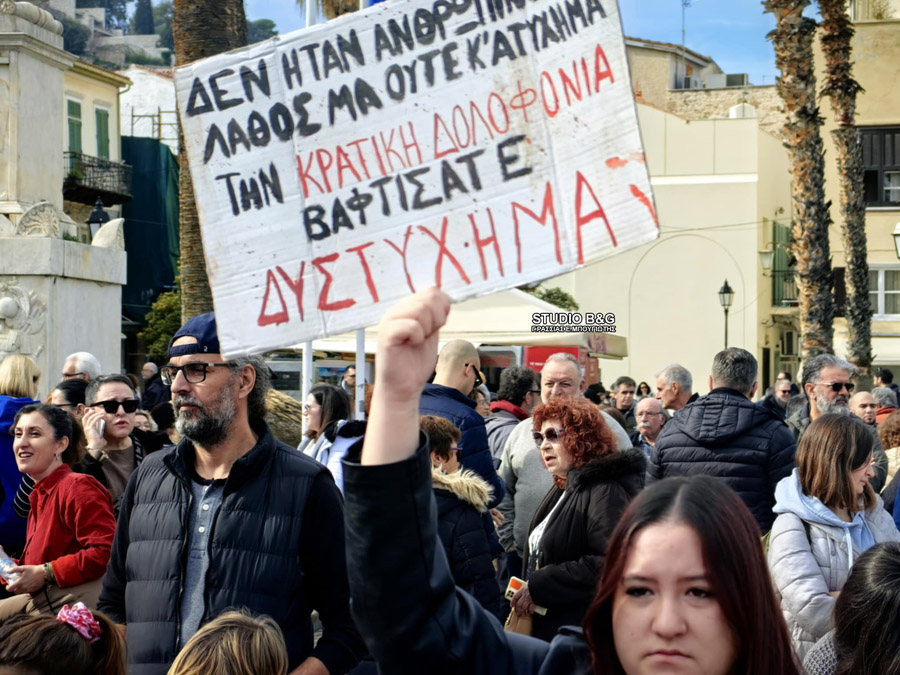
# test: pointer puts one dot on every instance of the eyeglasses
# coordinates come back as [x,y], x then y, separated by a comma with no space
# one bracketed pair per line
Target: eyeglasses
[69,376]
[478,380]
[112,406]
[194,373]
[534,391]
[457,449]
[837,386]
[643,414]
[552,435]
[307,410]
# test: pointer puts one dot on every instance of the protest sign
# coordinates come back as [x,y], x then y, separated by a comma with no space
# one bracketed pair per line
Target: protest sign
[476,145]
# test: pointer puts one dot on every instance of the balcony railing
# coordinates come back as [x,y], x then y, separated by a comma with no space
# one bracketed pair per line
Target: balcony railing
[784,288]
[88,178]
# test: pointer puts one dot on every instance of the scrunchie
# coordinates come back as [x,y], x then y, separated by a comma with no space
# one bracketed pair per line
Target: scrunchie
[81,619]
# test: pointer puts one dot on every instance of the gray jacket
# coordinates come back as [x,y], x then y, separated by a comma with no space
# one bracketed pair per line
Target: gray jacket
[528,481]
[807,568]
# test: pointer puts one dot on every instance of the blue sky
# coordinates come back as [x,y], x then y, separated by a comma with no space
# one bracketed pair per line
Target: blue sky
[733,32]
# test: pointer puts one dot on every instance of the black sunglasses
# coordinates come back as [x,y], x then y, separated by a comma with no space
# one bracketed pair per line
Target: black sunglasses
[478,380]
[112,406]
[552,435]
[837,386]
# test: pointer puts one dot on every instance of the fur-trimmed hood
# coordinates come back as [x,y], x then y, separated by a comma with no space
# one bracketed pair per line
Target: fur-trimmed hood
[465,485]
[608,467]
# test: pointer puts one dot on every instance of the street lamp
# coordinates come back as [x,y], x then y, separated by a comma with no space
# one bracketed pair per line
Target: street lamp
[98,218]
[726,295]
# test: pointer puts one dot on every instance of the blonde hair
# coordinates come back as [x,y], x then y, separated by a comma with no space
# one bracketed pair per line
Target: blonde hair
[19,377]
[235,643]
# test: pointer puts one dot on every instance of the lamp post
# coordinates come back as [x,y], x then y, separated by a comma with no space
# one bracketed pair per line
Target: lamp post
[98,218]
[726,295]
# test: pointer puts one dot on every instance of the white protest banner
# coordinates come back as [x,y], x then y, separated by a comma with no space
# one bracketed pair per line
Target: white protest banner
[472,144]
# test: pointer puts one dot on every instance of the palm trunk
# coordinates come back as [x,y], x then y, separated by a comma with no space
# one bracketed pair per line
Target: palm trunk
[841,88]
[200,28]
[792,39]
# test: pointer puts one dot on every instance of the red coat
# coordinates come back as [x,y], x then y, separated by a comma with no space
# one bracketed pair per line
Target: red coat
[883,413]
[71,526]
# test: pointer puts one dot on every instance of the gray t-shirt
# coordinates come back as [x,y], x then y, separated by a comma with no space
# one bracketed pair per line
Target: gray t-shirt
[207,498]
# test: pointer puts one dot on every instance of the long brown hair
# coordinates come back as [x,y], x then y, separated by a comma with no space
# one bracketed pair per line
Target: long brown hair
[832,448]
[49,646]
[735,565]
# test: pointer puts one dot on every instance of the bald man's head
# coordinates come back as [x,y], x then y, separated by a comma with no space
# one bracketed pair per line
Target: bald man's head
[458,366]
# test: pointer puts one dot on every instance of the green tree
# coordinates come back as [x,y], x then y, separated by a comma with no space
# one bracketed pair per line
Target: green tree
[259,30]
[163,321]
[75,36]
[555,296]
[143,18]
[162,24]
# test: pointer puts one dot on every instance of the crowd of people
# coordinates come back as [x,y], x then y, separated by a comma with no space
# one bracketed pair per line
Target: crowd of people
[548,527]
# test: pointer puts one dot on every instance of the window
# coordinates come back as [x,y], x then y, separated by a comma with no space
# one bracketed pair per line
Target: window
[101,115]
[884,291]
[73,110]
[881,158]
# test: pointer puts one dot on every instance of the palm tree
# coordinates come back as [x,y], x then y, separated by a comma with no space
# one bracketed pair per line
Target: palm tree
[841,88]
[200,28]
[792,39]
[203,28]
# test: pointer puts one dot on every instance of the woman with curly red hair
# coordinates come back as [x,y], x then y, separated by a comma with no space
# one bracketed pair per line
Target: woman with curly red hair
[593,483]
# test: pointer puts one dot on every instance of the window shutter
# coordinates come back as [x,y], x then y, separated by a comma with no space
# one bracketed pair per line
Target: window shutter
[102,117]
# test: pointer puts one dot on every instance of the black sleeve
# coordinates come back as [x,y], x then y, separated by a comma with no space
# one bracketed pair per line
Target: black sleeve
[472,564]
[112,595]
[410,613]
[323,556]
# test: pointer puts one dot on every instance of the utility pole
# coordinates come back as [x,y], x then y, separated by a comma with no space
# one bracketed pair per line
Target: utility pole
[684,5]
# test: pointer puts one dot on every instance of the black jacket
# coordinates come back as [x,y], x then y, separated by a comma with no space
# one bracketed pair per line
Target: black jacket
[725,435]
[462,498]
[418,621]
[155,392]
[771,404]
[277,548]
[573,545]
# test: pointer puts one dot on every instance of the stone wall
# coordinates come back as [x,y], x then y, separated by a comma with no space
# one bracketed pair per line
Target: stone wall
[704,104]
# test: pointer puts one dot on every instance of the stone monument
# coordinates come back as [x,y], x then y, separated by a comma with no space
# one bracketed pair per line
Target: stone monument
[57,296]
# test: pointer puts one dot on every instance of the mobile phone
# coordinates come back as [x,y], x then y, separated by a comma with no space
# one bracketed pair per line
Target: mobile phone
[102,427]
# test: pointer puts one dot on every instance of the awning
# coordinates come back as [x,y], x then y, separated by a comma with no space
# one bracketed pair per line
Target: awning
[503,318]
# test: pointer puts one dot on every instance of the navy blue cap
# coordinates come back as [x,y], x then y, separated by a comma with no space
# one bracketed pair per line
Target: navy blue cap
[202,328]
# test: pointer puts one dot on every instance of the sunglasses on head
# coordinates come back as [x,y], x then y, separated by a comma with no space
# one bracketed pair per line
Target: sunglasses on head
[552,435]
[837,386]
[112,406]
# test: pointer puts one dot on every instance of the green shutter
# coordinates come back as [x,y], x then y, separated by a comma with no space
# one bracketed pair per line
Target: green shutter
[102,117]
[74,116]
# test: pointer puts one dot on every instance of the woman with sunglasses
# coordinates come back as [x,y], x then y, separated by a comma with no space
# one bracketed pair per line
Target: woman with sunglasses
[828,514]
[70,524]
[593,483]
[115,448]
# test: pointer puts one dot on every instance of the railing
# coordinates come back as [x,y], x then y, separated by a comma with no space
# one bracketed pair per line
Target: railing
[784,288]
[85,174]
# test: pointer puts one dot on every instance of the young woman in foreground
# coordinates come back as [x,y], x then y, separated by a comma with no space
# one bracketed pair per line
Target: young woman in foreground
[684,588]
